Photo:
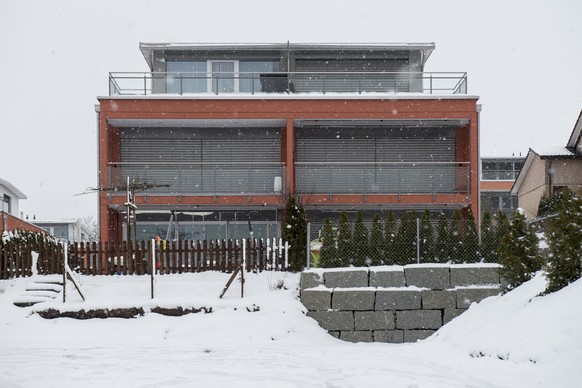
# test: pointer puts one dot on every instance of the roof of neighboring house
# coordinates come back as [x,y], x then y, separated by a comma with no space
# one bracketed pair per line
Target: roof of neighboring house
[12,188]
[572,150]
[545,153]
[148,48]
[575,141]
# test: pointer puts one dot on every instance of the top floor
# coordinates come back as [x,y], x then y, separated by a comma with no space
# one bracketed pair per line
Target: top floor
[186,69]
[67,230]
[501,168]
[9,198]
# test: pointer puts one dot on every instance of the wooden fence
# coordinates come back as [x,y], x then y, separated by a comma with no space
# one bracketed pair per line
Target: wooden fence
[102,258]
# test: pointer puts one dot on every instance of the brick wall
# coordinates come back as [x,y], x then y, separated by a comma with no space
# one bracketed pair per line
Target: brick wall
[394,304]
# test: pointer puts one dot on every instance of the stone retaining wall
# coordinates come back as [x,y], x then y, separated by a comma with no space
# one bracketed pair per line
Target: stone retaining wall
[394,304]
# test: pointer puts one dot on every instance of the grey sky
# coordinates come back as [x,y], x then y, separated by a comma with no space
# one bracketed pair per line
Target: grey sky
[522,58]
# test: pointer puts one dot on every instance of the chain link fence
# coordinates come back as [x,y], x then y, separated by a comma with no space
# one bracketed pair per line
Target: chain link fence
[408,240]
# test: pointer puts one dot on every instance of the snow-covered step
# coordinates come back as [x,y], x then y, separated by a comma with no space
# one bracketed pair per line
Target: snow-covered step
[30,300]
[53,287]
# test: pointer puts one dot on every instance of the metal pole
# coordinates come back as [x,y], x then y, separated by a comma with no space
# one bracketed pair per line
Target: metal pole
[153,266]
[417,240]
[308,245]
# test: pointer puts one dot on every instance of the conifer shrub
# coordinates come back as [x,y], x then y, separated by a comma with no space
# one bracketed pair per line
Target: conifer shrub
[443,240]
[471,252]
[456,238]
[518,252]
[427,248]
[344,240]
[390,249]
[295,233]
[489,244]
[376,241]
[328,255]
[564,236]
[360,242]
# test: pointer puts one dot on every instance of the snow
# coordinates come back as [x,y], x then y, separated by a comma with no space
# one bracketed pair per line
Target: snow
[514,340]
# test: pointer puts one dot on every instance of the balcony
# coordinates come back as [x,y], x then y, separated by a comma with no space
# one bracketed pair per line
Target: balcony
[159,83]
[203,178]
[383,178]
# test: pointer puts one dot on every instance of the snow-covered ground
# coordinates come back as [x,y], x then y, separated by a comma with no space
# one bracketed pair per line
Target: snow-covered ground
[516,340]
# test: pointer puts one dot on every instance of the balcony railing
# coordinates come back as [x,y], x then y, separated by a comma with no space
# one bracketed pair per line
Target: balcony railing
[382,178]
[156,83]
[203,178]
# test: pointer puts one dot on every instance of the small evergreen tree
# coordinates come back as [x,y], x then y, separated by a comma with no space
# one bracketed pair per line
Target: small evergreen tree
[295,233]
[471,240]
[405,241]
[344,240]
[501,230]
[360,242]
[443,240]
[390,249]
[376,241]
[328,257]
[427,248]
[565,240]
[457,249]
[488,243]
[518,252]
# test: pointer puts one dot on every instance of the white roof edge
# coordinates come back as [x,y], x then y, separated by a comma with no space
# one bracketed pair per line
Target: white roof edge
[576,133]
[523,172]
[360,45]
[312,96]
[12,188]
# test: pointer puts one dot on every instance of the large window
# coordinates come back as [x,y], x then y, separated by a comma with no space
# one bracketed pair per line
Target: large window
[251,72]
[500,169]
[495,201]
[218,76]
[186,77]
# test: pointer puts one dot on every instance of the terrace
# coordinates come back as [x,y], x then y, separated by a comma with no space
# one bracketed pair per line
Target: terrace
[216,83]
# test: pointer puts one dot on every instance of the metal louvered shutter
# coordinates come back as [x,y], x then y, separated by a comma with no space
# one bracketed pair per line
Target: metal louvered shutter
[375,165]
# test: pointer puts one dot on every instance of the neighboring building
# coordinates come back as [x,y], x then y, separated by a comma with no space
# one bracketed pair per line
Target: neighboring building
[234,129]
[550,169]
[10,198]
[72,231]
[497,178]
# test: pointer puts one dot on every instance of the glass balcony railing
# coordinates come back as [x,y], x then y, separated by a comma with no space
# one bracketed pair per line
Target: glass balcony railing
[383,178]
[202,179]
[156,83]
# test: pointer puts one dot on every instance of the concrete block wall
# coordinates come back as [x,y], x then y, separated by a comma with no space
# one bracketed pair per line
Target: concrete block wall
[394,304]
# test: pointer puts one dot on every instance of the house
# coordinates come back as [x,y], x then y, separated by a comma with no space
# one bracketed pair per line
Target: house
[227,132]
[498,175]
[549,169]
[71,231]
[10,198]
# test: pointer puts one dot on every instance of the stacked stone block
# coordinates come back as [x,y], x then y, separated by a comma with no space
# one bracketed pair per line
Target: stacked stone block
[394,304]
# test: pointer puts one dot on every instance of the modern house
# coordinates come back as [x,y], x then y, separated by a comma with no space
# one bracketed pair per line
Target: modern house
[498,174]
[10,216]
[71,231]
[550,169]
[227,132]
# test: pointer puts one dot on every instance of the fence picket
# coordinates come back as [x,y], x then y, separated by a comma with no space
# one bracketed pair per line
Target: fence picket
[104,258]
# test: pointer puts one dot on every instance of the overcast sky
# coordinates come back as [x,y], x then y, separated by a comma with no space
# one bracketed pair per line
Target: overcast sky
[522,57]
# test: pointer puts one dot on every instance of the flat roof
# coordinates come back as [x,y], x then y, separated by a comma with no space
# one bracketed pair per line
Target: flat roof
[12,188]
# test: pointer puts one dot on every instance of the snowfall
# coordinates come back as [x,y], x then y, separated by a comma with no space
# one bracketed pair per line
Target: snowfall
[265,339]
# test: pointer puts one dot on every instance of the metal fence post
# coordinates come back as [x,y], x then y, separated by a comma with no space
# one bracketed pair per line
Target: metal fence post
[308,245]
[417,240]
